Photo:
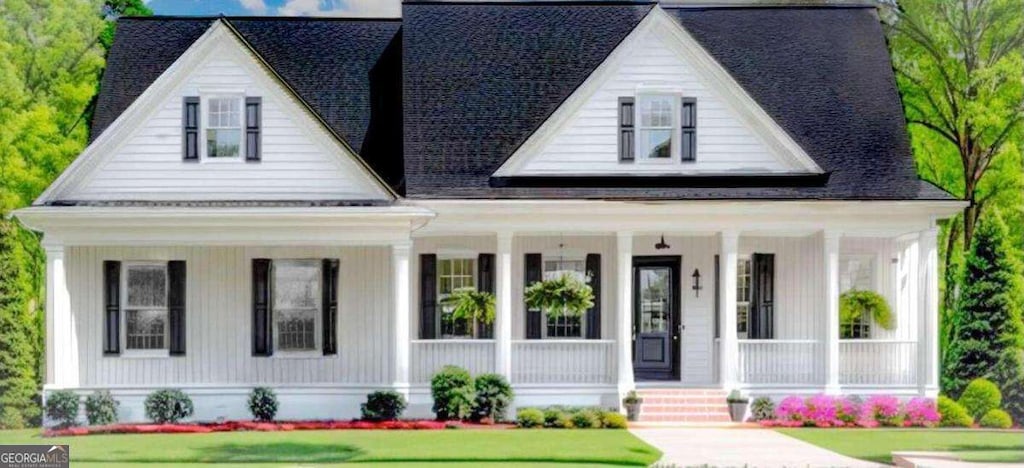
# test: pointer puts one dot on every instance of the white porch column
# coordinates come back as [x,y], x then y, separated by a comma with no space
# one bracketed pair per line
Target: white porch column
[831,255]
[928,328]
[729,351]
[503,306]
[61,339]
[624,293]
[401,315]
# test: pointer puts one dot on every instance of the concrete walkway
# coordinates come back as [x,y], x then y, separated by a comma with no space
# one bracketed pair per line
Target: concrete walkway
[741,447]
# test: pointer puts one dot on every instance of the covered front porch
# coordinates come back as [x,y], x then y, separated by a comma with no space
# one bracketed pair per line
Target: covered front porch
[667,284]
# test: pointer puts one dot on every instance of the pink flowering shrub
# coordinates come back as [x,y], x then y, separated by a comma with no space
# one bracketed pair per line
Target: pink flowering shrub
[822,411]
[881,410]
[921,412]
[791,409]
[847,411]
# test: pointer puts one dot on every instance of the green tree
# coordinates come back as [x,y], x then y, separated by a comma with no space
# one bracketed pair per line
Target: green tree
[113,9]
[987,325]
[18,333]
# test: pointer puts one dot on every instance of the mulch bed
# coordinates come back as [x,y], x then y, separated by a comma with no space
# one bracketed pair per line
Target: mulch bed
[231,426]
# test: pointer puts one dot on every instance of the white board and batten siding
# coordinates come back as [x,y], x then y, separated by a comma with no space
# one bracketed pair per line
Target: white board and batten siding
[219,321]
[300,161]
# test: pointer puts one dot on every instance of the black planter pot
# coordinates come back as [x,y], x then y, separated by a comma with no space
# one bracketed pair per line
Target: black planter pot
[737,410]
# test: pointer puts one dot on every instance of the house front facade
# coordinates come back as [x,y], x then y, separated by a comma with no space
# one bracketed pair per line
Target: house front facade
[287,203]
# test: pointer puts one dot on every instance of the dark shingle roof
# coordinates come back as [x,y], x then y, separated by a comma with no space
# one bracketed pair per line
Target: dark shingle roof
[348,71]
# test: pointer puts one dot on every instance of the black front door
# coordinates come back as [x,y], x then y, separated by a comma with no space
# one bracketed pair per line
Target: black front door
[656,318]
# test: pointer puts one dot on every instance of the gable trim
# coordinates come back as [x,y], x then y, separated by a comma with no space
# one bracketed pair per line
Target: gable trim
[117,133]
[749,112]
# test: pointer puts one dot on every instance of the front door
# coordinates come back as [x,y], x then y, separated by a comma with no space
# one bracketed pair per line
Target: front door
[656,321]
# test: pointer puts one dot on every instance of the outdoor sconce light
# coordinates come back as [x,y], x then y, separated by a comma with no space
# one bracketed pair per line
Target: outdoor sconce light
[662,245]
[696,283]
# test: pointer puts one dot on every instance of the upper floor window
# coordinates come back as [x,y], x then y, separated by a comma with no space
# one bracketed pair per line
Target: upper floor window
[224,127]
[658,127]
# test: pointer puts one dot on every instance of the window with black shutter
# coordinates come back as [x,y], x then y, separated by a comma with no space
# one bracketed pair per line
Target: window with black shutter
[190,128]
[688,125]
[253,118]
[626,129]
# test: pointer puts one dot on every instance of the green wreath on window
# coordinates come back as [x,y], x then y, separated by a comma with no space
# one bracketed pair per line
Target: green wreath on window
[857,303]
[566,295]
[471,305]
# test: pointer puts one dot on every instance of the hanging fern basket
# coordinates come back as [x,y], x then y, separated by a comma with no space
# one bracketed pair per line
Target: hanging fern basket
[566,295]
[858,303]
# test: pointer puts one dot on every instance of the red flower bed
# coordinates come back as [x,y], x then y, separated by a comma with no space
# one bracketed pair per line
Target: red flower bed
[230,426]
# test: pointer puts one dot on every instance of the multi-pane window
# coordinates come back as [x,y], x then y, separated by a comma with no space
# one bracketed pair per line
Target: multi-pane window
[145,310]
[224,127]
[454,274]
[560,325]
[296,295]
[656,127]
[856,272]
[743,296]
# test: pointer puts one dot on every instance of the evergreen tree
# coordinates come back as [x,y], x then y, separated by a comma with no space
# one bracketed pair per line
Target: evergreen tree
[987,327]
[18,335]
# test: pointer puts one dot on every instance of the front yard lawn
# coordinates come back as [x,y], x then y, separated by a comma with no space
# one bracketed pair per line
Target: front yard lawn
[593,447]
[877,445]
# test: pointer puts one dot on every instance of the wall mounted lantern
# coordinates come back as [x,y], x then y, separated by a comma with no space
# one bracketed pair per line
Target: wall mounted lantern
[696,283]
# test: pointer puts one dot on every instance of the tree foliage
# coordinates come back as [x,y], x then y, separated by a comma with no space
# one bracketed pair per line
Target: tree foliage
[18,335]
[113,9]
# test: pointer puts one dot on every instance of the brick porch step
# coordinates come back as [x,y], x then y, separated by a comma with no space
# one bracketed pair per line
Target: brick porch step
[683,405]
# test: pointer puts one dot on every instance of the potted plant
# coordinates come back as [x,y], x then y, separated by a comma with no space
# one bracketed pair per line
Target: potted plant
[566,295]
[857,303]
[737,405]
[632,403]
[471,305]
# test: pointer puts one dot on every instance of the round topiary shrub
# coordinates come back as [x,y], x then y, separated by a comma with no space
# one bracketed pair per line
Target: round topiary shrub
[168,406]
[62,407]
[980,397]
[529,417]
[557,417]
[263,404]
[493,397]
[762,409]
[952,414]
[100,408]
[385,405]
[586,419]
[613,420]
[997,419]
[453,392]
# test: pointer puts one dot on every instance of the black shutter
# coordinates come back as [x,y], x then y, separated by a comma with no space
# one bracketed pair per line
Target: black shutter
[594,313]
[190,128]
[329,288]
[762,302]
[262,336]
[253,117]
[533,316]
[626,129]
[428,296]
[485,278]
[718,290]
[176,306]
[688,119]
[112,308]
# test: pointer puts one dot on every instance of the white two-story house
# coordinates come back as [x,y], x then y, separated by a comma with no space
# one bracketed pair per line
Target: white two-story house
[284,202]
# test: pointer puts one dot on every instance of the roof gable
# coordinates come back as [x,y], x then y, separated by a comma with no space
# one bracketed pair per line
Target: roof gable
[138,157]
[734,135]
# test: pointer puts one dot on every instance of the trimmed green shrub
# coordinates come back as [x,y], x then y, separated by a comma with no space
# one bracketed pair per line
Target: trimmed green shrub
[453,392]
[557,417]
[1009,376]
[168,406]
[493,397]
[997,419]
[586,419]
[384,405]
[62,407]
[100,408]
[529,417]
[263,404]
[953,415]
[613,420]
[980,397]
[762,409]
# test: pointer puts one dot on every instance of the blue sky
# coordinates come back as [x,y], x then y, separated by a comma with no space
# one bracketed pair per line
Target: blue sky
[354,8]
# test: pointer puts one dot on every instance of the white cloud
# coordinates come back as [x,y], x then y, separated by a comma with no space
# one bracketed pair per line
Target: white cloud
[257,7]
[347,8]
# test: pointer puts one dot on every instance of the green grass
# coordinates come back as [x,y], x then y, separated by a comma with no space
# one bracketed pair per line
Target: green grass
[877,445]
[508,447]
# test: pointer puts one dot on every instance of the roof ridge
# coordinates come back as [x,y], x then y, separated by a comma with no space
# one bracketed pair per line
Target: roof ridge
[259,18]
[561,3]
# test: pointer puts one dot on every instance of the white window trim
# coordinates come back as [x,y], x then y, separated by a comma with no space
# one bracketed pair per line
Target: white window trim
[455,254]
[675,140]
[317,351]
[126,352]
[750,260]
[204,124]
[567,256]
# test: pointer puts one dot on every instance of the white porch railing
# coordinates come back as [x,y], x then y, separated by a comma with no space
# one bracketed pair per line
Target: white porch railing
[878,362]
[563,361]
[780,362]
[429,356]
